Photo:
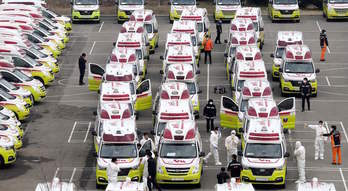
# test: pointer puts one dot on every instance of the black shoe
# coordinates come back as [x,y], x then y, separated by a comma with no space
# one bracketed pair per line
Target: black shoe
[302,110]
[82,83]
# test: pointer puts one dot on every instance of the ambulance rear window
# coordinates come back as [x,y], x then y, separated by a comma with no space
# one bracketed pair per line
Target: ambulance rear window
[139,54]
[240,85]
[279,52]
[148,28]
[260,150]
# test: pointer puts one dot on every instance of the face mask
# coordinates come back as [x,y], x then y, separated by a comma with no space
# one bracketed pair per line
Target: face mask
[210,103]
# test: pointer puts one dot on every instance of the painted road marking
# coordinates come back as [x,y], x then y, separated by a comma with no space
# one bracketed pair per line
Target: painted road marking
[87,133]
[90,52]
[344,181]
[56,173]
[80,132]
[328,49]
[101,26]
[72,131]
[72,176]
[327,80]
[208,78]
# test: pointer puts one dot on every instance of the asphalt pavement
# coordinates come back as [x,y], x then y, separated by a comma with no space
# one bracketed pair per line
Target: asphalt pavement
[58,141]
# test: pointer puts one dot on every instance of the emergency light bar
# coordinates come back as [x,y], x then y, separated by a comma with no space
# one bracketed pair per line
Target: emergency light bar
[118,137]
[124,78]
[252,74]
[128,44]
[180,58]
[284,43]
[191,31]
[121,97]
[196,18]
[264,136]
[247,17]
[174,116]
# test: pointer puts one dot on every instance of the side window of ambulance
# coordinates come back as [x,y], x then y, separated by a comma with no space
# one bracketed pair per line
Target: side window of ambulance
[9,77]
[19,62]
[3,88]
[2,99]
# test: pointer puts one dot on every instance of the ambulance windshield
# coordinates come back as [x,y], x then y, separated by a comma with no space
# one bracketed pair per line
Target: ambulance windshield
[118,150]
[261,150]
[86,2]
[338,1]
[175,150]
[228,2]
[8,84]
[131,2]
[22,76]
[299,67]
[183,2]
[285,2]
[279,52]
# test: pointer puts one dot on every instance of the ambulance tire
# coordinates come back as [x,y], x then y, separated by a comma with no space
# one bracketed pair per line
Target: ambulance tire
[2,163]
[298,21]
[171,21]
[98,186]
[199,185]
[283,186]
[315,95]
[274,78]
[261,45]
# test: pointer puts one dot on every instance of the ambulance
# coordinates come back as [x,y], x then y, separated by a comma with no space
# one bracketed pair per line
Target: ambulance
[12,121]
[185,73]
[284,38]
[267,108]
[234,186]
[335,9]
[190,27]
[168,110]
[241,24]
[253,13]
[182,54]
[151,25]
[200,15]
[60,32]
[61,19]
[141,97]
[264,155]
[9,113]
[56,185]
[7,150]
[127,185]
[120,141]
[180,154]
[297,64]
[85,10]
[14,132]
[315,186]
[59,41]
[284,10]
[226,9]
[20,79]
[40,4]
[48,45]
[16,91]
[34,15]
[137,42]
[232,109]
[14,41]
[136,27]
[180,38]
[16,19]
[178,6]
[237,38]
[125,8]
[15,104]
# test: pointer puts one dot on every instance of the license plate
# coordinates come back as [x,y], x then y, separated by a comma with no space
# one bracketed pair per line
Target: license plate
[297,88]
[177,179]
[261,179]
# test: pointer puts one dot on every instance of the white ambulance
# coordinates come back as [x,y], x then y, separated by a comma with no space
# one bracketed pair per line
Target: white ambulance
[226,9]
[170,110]
[149,19]
[241,24]
[237,38]
[234,186]
[136,27]
[200,15]
[178,54]
[179,38]
[254,88]
[125,8]
[253,13]
[297,65]
[180,154]
[178,6]
[284,38]
[190,27]
[315,186]
[264,155]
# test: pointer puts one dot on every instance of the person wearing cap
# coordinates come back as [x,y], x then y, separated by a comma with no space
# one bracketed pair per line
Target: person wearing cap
[300,154]
[214,146]
[323,44]
[234,167]
[231,144]
[208,47]
[223,176]
[209,113]
[335,144]
[319,139]
[218,31]
[306,92]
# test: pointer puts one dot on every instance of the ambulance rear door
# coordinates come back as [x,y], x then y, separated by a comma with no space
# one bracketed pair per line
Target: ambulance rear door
[144,96]
[287,112]
[95,76]
[228,113]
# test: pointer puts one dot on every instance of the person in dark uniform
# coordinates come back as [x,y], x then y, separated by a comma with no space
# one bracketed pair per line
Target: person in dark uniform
[82,67]
[209,113]
[323,44]
[151,166]
[222,177]
[234,167]
[218,31]
[306,92]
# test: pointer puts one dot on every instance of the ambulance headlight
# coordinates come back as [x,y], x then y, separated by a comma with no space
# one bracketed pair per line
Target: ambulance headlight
[246,168]
[135,167]
[313,80]
[280,167]
[195,169]
[159,169]
[101,167]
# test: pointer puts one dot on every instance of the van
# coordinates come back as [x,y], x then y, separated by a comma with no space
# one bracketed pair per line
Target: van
[85,10]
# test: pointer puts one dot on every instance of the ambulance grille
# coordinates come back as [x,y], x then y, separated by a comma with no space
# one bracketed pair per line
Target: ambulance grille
[262,171]
[229,13]
[286,12]
[341,11]
[86,12]
[177,171]
[296,83]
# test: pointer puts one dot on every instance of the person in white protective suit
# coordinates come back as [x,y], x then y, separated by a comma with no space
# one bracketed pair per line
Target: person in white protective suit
[231,144]
[320,129]
[112,171]
[214,143]
[146,169]
[300,153]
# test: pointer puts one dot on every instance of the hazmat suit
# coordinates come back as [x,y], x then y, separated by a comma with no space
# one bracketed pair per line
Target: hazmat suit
[214,143]
[112,172]
[231,144]
[319,140]
[146,169]
[300,153]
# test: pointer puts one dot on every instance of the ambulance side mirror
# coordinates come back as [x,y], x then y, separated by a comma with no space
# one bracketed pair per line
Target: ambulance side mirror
[141,73]
[286,154]
[114,43]
[202,154]
[146,57]
[240,153]
[198,72]
[95,113]
[280,69]
[161,72]
[152,132]
[225,55]
[98,91]
[95,154]
[169,3]
[199,91]
[233,88]
[71,2]
[154,112]
[147,44]
[161,57]
[94,133]
[262,29]
[317,70]
[196,114]
[271,55]
[225,41]
[155,30]
[241,130]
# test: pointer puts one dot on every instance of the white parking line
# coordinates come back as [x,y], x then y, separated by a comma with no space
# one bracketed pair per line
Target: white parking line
[208,78]
[56,173]
[327,80]
[72,131]
[328,49]
[72,176]
[344,130]
[101,26]
[344,181]
[90,52]
[89,127]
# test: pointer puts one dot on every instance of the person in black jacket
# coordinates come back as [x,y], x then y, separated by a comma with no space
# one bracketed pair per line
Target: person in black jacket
[82,67]
[222,176]
[234,167]
[218,31]
[323,44]
[151,166]
[209,113]
[306,92]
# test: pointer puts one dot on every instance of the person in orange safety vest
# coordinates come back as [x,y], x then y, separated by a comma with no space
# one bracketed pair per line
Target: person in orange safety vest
[208,47]
[335,145]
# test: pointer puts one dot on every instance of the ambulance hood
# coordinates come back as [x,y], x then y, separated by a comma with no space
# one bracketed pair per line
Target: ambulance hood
[177,163]
[182,7]
[262,162]
[86,7]
[285,7]
[228,7]
[123,163]
[299,77]
[339,6]
[131,7]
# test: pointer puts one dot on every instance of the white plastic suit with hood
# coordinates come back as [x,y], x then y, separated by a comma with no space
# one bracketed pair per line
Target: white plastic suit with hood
[231,144]
[214,143]
[320,129]
[300,153]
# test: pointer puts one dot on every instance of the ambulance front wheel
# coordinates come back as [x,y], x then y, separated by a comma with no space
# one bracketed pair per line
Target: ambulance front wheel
[98,186]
